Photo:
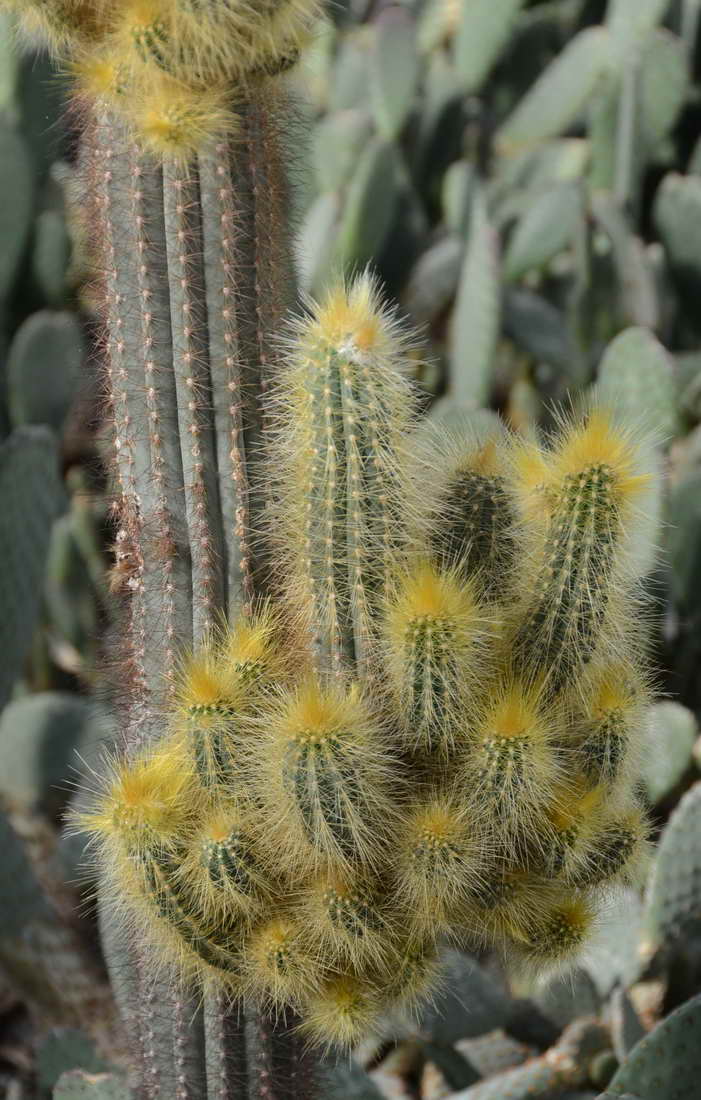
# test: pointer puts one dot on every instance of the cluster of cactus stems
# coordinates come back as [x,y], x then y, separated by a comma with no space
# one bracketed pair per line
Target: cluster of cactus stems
[427,732]
[385,685]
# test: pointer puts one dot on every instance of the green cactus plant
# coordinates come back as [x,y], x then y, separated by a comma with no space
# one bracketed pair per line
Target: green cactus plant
[673,900]
[287,731]
[285,768]
[77,1085]
[33,497]
[665,1064]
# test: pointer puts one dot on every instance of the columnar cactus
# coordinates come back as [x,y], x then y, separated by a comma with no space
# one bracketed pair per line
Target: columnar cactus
[375,761]
[375,704]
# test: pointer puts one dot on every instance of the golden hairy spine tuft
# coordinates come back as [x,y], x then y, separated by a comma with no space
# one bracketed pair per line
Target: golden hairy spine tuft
[341,1012]
[218,688]
[138,824]
[508,897]
[349,922]
[256,647]
[241,41]
[414,974]
[145,802]
[196,947]
[611,848]
[435,641]
[597,840]
[99,76]
[609,723]
[320,768]
[62,26]
[211,699]
[440,863]
[512,764]
[173,121]
[558,936]
[221,868]
[179,62]
[279,969]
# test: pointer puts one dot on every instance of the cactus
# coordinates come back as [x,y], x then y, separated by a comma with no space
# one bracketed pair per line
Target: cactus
[673,900]
[41,734]
[228,283]
[38,392]
[264,843]
[636,354]
[353,720]
[30,487]
[586,559]
[675,727]
[666,1063]
[77,1085]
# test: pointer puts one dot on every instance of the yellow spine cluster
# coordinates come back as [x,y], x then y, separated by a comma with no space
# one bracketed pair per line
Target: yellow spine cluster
[173,69]
[443,745]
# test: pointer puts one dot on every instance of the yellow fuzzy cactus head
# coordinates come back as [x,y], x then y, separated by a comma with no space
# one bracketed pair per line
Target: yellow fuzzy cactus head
[143,802]
[171,69]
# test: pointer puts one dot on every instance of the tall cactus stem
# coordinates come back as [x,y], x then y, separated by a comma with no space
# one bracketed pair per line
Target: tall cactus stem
[223,278]
[266,272]
[226,1049]
[274,271]
[193,387]
[282,1068]
[173,580]
[120,354]
[343,408]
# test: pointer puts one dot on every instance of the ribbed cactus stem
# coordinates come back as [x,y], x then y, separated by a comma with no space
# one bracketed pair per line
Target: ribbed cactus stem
[228,1072]
[343,410]
[120,351]
[195,280]
[468,522]
[573,586]
[168,531]
[434,631]
[249,282]
[221,227]
[587,565]
[185,251]
[284,1069]
[189,1053]
[479,538]
[265,121]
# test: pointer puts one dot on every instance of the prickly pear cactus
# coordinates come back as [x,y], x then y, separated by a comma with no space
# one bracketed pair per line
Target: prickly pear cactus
[665,1065]
[674,894]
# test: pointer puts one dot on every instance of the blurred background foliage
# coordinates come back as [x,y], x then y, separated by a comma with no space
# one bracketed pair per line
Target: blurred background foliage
[526,178]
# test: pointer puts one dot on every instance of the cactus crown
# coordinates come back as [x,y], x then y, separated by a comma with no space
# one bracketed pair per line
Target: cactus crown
[173,69]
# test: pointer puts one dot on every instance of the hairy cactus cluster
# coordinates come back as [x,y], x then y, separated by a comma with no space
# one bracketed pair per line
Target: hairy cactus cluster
[174,70]
[427,732]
